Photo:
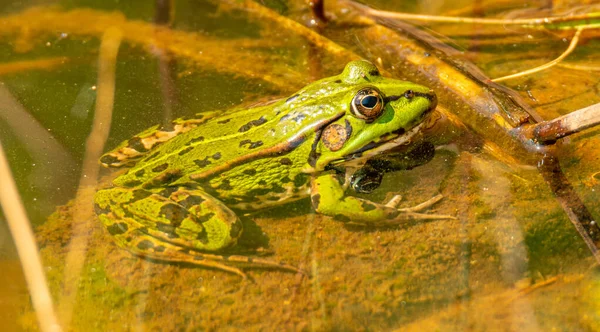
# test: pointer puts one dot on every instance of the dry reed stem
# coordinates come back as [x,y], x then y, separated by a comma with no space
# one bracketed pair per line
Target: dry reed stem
[22,234]
[38,142]
[547,65]
[25,65]
[543,21]
[313,37]
[581,67]
[83,211]
[568,124]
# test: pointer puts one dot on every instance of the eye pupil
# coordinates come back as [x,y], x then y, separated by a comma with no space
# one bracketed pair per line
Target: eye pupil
[367,104]
[369,101]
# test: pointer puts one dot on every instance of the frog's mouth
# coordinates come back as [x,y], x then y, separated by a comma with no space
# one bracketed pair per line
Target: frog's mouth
[385,143]
[359,157]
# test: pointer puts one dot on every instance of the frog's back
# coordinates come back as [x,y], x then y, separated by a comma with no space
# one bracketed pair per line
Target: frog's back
[245,140]
[203,146]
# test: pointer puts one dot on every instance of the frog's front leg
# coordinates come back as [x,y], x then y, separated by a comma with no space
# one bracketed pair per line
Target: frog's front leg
[328,197]
[175,225]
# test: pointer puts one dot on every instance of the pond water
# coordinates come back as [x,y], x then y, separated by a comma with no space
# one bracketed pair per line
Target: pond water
[511,260]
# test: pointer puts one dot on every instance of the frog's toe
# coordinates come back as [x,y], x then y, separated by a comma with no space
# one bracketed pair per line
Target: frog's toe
[393,203]
[404,216]
[264,263]
[411,213]
[425,205]
[429,216]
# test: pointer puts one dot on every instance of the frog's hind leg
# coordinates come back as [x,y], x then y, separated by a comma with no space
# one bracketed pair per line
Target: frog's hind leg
[143,245]
[175,224]
[128,152]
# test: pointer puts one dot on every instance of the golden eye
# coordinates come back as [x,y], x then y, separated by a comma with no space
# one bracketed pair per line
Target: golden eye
[367,104]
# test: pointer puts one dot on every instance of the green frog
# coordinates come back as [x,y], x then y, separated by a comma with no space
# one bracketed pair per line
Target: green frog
[189,182]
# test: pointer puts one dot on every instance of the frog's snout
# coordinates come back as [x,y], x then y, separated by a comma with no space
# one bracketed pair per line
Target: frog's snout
[432,97]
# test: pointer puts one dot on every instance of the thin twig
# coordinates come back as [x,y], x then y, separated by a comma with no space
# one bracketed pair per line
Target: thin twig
[39,64]
[318,10]
[297,28]
[536,286]
[26,247]
[164,13]
[548,132]
[578,66]
[568,198]
[544,21]
[547,65]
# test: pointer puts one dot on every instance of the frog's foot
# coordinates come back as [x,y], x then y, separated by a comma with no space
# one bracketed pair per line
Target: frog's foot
[393,203]
[144,246]
[328,198]
[175,225]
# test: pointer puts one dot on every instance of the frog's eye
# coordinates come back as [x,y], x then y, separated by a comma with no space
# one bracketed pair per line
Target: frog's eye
[367,104]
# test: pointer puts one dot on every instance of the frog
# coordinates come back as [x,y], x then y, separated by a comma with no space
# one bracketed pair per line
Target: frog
[190,182]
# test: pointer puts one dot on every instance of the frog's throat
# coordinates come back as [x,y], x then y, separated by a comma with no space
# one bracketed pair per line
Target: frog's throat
[358,158]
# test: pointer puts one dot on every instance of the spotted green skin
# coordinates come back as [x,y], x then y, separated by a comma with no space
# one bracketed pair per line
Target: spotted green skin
[180,197]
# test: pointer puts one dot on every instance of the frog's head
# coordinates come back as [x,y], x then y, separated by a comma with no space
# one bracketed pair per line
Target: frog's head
[374,114]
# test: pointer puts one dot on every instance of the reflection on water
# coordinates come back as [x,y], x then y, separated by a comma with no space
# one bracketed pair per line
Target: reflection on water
[511,261]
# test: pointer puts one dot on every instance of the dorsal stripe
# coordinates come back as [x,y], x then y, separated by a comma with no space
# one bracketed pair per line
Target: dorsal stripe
[278,149]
